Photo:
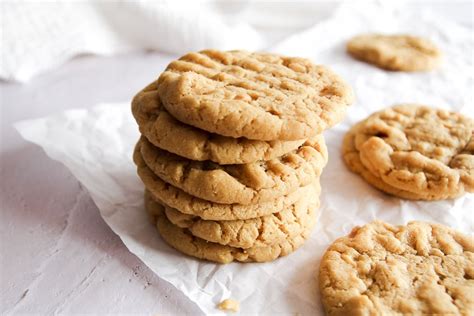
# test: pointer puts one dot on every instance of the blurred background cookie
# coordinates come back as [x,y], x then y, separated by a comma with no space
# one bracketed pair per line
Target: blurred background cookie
[395,52]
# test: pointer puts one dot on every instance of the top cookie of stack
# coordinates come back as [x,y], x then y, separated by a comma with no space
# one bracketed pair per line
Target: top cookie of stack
[258,96]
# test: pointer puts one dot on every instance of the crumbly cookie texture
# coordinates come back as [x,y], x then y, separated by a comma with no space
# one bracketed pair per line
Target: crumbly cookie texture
[183,241]
[426,152]
[352,160]
[256,232]
[188,204]
[229,305]
[254,95]
[243,184]
[163,131]
[395,52]
[417,269]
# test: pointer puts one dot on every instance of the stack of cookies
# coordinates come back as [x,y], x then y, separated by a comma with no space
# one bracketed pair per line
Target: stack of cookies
[231,151]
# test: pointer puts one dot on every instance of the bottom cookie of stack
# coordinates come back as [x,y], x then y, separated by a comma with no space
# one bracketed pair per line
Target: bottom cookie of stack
[259,239]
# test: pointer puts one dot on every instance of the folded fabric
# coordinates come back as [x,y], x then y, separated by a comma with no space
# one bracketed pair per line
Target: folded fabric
[38,36]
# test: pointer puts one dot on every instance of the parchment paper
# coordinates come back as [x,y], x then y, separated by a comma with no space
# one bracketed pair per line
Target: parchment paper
[96,145]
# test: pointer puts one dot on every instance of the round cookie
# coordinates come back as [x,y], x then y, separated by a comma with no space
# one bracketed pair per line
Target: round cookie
[417,269]
[251,183]
[395,52]
[256,232]
[162,130]
[254,95]
[183,241]
[424,151]
[188,204]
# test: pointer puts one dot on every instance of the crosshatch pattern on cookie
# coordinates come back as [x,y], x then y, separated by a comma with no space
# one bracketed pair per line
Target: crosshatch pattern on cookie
[171,196]
[254,95]
[245,183]
[163,131]
[416,269]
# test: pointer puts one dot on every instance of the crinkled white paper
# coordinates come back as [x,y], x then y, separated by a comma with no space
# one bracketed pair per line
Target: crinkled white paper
[96,145]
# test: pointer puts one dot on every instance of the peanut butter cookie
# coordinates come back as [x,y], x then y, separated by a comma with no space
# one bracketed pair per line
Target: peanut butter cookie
[243,184]
[259,96]
[188,204]
[256,232]
[183,241]
[163,131]
[395,52]
[414,152]
[417,269]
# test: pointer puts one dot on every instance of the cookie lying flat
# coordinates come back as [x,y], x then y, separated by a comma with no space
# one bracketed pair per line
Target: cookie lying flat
[183,241]
[380,269]
[254,95]
[395,52]
[188,204]
[163,131]
[256,232]
[243,184]
[417,149]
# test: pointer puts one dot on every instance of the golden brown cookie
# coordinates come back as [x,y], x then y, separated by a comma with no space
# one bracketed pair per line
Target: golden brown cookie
[163,131]
[256,232]
[188,204]
[183,241]
[352,160]
[254,95]
[414,152]
[395,52]
[250,183]
[417,269]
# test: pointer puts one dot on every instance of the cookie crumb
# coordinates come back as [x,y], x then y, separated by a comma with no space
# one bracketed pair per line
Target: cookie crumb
[229,305]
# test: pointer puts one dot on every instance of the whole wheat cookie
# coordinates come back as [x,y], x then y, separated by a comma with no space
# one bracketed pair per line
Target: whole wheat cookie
[417,269]
[395,52]
[254,95]
[183,241]
[163,131]
[250,183]
[173,197]
[418,152]
[256,232]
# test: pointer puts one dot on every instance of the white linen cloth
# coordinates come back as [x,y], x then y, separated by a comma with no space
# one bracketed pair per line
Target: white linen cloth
[96,145]
[41,35]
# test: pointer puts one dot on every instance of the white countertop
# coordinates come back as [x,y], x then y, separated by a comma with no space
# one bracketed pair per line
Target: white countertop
[57,254]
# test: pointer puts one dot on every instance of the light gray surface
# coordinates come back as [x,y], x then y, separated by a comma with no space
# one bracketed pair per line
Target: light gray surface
[57,254]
